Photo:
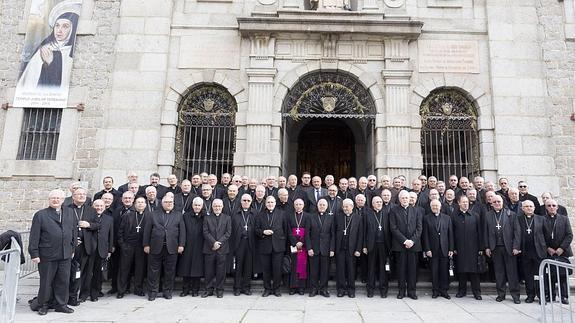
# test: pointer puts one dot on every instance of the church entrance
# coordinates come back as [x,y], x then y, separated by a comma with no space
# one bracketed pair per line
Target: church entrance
[328,126]
[326,146]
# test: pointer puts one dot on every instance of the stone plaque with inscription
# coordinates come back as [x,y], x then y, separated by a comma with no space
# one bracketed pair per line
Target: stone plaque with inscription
[448,56]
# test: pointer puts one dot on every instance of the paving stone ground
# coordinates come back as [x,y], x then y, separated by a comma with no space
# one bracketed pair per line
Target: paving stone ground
[288,309]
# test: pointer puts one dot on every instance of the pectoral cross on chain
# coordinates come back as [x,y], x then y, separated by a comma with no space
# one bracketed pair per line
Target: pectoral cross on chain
[498,226]
[344,232]
[246,227]
[138,229]
[379,227]
[528,230]
[297,231]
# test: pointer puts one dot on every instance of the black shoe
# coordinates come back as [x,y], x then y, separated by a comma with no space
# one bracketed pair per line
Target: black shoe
[292,291]
[139,293]
[73,302]
[529,299]
[516,300]
[111,291]
[564,301]
[43,310]
[100,294]
[152,297]
[207,293]
[383,293]
[220,294]
[64,309]
[247,292]
[184,293]
[369,293]
[313,293]
[277,293]
[459,295]
[500,298]
[412,296]
[195,293]
[351,294]
[400,296]
[340,294]
[434,295]
[93,299]
[324,293]
[266,293]
[120,295]
[237,292]
[445,295]
[82,299]
[167,295]
[478,297]
[301,292]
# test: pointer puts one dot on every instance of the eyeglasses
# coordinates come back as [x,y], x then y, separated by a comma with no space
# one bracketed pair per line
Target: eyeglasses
[246,200]
[497,202]
[551,205]
[371,180]
[522,186]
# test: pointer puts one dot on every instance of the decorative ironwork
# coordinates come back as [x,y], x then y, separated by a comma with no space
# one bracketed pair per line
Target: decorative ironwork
[328,95]
[449,138]
[40,134]
[205,138]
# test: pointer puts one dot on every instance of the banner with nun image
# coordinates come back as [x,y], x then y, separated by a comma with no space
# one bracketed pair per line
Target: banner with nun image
[48,54]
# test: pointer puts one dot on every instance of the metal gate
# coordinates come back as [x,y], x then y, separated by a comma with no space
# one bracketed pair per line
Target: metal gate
[205,139]
[449,137]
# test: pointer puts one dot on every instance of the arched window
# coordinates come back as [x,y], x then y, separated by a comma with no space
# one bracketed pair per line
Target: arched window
[449,137]
[205,138]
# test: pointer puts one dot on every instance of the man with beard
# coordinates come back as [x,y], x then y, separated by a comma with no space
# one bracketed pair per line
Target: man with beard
[299,223]
[377,246]
[271,228]
[503,244]
[161,190]
[320,249]
[191,261]
[130,239]
[217,231]
[438,244]
[348,244]
[164,239]
[468,243]
[243,244]
[406,227]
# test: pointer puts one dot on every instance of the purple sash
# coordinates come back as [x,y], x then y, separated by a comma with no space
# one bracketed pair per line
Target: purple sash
[301,256]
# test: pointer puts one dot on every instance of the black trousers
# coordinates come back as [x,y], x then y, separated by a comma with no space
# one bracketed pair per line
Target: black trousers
[376,259]
[215,269]
[439,273]
[530,265]
[406,271]
[474,278]
[54,276]
[272,270]
[114,267]
[132,256]
[244,266]
[505,267]
[562,282]
[319,272]
[81,259]
[96,285]
[345,271]
[156,262]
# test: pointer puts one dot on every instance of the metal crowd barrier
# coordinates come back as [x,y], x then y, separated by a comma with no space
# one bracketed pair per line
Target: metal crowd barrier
[29,267]
[552,274]
[11,277]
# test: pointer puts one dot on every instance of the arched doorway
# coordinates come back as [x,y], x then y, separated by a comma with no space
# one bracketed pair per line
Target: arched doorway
[328,126]
[326,146]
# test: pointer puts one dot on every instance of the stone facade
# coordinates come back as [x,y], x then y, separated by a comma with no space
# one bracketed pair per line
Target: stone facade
[137,59]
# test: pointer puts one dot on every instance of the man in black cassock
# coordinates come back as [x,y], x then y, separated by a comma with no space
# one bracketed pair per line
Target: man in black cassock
[130,239]
[438,246]
[377,246]
[217,231]
[405,224]
[468,238]
[191,262]
[558,238]
[183,199]
[52,239]
[503,244]
[271,228]
[243,245]
[108,183]
[118,214]
[231,200]
[103,239]
[348,245]
[164,239]
[533,248]
[321,249]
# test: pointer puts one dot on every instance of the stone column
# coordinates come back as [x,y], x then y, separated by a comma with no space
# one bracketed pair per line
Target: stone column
[261,147]
[396,152]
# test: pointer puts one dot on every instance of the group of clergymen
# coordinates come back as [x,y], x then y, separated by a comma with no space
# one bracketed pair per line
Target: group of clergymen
[199,228]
